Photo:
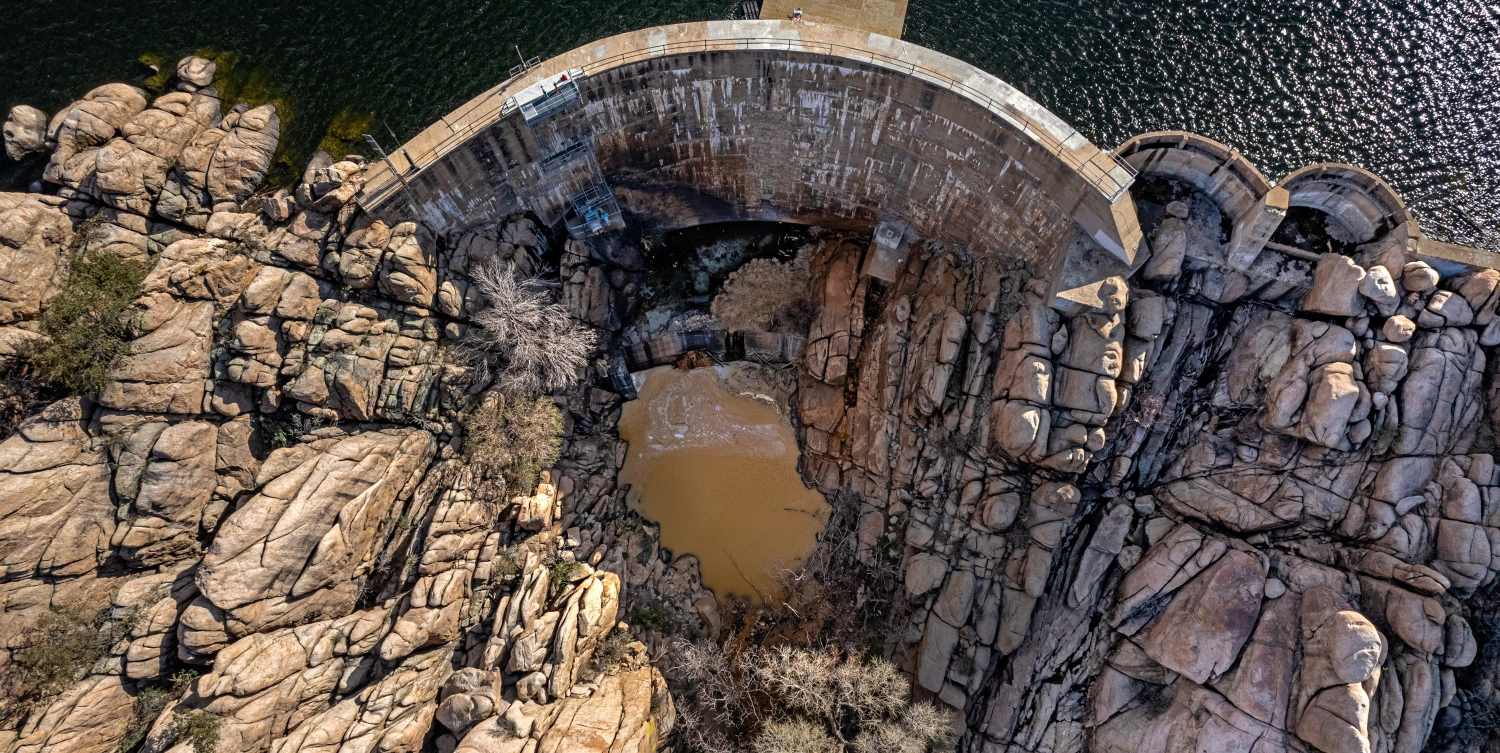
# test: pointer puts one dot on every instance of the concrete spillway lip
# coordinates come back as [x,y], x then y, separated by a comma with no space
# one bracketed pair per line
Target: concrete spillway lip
[1100,169]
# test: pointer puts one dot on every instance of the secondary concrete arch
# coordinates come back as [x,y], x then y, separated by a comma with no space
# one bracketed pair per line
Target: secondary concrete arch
[769,120]
[1360,205]
[1221,173]
[1216,169]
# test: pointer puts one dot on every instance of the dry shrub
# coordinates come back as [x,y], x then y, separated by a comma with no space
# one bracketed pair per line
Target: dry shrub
[768,295]
[802,679]
[930,723]
[921,728]
[65,645]
[846,692]
[613,651]
[720,685]
[799,696]
[525,339]
[515,438]
[871,690]
[795,736]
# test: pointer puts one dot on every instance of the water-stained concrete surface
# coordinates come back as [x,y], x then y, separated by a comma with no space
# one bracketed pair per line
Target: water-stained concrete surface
[718,471]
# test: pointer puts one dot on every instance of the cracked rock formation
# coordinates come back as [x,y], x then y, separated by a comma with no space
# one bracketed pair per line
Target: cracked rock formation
[1201,516]
[1227,508]
[269,490]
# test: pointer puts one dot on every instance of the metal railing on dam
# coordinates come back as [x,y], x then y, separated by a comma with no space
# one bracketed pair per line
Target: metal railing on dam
[1108,175]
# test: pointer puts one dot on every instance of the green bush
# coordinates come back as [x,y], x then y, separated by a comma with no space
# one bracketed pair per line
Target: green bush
[562,574]
[149,702]
[285,429]
[653,617]
[89,322]
[513,438]
[278,432]
[197,728]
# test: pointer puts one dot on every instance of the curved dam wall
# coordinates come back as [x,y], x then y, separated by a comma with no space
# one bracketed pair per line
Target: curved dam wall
[767,120]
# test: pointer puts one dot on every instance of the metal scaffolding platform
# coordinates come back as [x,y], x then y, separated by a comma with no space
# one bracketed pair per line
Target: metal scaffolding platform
[567,183]
[546,98]
[567,155]
[595,211]
[592,208]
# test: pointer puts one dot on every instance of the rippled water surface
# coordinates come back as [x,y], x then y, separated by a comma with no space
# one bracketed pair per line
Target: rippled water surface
[1410,90]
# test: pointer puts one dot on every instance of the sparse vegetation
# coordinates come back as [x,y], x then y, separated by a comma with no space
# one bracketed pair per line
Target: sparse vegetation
[65,645]
[149,702]
[525,339]
[653,617]
[794,736]
[282,430]
[250,249]
[611,652]
[198,728]
[515,438]
[89,323]
[563,573]
[507,564]
[800,699]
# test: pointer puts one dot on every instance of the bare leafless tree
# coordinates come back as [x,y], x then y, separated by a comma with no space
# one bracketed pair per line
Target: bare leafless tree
[525,338]
[921,728]
[801,678]
[795,736]
[870,690]
[800,699]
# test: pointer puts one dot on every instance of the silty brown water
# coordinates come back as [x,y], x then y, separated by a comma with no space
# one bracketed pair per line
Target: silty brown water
[719,473]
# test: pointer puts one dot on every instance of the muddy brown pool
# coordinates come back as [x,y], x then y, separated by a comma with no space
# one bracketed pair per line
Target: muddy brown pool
[718,472]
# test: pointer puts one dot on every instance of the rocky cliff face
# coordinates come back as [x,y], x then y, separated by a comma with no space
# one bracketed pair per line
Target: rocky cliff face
[1225,511]
[1221,511]
[269,491]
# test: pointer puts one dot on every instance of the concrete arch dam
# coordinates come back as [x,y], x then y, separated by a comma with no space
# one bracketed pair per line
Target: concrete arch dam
[769,120]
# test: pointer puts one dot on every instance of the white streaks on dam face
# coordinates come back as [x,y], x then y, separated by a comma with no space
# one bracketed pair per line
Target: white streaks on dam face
[763,134]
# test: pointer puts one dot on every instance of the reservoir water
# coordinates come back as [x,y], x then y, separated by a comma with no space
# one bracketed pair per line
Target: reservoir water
[1407,88]
[718,471]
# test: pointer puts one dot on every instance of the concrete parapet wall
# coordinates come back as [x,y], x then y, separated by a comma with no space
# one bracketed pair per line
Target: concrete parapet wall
[1361,205]
[1216,169]
[717,121]
[1222,174]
